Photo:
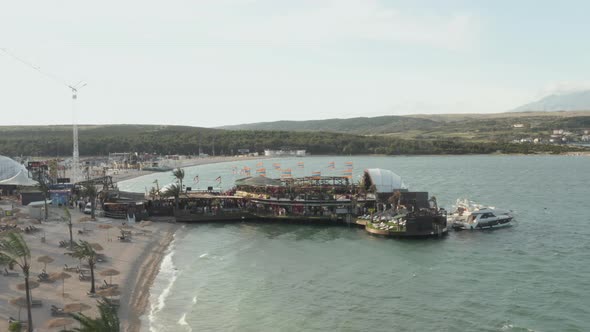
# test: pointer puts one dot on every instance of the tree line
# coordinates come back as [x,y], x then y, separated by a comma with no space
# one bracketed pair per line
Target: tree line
[100,140]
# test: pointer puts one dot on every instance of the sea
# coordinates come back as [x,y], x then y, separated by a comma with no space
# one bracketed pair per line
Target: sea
[533,276]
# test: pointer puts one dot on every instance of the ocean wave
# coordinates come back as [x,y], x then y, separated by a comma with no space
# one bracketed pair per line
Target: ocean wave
[182,322]
[168,272]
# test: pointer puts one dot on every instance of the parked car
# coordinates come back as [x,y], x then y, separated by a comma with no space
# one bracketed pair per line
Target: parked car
[88,208]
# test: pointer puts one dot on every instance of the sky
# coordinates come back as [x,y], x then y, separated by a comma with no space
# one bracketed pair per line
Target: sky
[211,63]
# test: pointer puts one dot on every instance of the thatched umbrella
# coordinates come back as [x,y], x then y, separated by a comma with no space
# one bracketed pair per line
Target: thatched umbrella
[145,223]
[84,219]
[61,276]
[107,227]
[76,307]
[45,260]
[20,302]
[59,322]
[32,285]
[96,246]
[110,273]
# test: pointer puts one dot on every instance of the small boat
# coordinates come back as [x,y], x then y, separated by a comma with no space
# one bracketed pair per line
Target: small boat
[469,215]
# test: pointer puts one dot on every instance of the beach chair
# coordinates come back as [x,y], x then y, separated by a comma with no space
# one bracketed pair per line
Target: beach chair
[56,311]
[124,238]
[83,276]
[7,273]
[106,285]
[71,268]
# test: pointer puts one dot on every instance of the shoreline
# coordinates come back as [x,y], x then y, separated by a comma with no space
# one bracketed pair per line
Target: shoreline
[147,266]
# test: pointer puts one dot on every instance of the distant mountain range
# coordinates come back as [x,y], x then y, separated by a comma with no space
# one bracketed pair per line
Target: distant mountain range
[573,101]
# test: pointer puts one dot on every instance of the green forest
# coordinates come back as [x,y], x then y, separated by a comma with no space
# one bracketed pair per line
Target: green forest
[100,140]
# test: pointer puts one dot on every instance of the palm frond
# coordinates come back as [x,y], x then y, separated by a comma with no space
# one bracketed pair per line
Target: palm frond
[12,244]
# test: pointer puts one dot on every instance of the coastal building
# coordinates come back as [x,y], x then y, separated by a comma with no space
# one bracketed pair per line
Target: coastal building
[284,153]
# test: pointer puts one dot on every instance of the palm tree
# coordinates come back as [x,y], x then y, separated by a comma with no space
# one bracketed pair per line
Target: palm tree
[90,191]
[179,175]
[69,216]
[44,187]
[84,250]
[173,191]
[107,322]
[14,251]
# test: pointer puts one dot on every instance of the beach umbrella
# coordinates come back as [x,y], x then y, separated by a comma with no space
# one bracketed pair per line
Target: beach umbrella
[76,307]
[109,273]
[96,246]
[19,302]
[61,276]
[84,219]
[145,223]
[45,260]
[59,322]
[32,285]
[107,227]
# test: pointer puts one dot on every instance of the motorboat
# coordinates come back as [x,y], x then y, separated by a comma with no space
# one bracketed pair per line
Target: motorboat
[469,215]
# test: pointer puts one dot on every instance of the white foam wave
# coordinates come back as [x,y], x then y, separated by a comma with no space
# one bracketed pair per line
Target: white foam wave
[195,300]
[182,322]
[168,273]
[204,255]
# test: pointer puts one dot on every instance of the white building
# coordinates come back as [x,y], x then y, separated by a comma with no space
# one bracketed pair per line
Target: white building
[284,153]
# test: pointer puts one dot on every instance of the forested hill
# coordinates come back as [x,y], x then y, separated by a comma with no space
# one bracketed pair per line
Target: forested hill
[362,125]
[485,127]
[100,140]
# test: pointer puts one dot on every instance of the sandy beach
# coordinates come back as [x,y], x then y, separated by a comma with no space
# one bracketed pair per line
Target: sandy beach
[137,261]
[127,174]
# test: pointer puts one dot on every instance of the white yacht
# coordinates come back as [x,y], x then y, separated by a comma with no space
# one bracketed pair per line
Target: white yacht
[469,215]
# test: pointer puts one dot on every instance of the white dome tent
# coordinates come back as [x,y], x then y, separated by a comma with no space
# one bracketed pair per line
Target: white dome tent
[10,168]
[385,181]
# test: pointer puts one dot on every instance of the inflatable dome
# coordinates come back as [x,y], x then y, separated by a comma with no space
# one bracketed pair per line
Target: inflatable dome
[9,168]
[385,181]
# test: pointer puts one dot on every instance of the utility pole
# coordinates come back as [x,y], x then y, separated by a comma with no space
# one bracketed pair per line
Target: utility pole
[76,152]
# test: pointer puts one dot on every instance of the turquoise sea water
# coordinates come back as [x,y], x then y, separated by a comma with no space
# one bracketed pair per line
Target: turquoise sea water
[534,276]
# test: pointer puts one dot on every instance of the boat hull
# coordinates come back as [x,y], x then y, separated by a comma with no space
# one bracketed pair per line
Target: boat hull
[500,222]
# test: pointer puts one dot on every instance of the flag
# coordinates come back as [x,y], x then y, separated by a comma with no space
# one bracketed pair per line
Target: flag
[348,164]
[316,175]
[261,172]
[196,179]
[300,164]
[277,166]
[286,173]
[331,165]
[348,173]
[259,164]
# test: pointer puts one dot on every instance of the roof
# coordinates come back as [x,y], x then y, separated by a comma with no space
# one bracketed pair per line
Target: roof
[258,181]
[20,179]
[385,181]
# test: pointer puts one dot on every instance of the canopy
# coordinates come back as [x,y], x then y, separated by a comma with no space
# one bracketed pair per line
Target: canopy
[258,181]
[385,181]
[9,168]
[20,179]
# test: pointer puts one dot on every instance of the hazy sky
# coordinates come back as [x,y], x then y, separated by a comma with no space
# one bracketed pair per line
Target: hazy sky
[216,62]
